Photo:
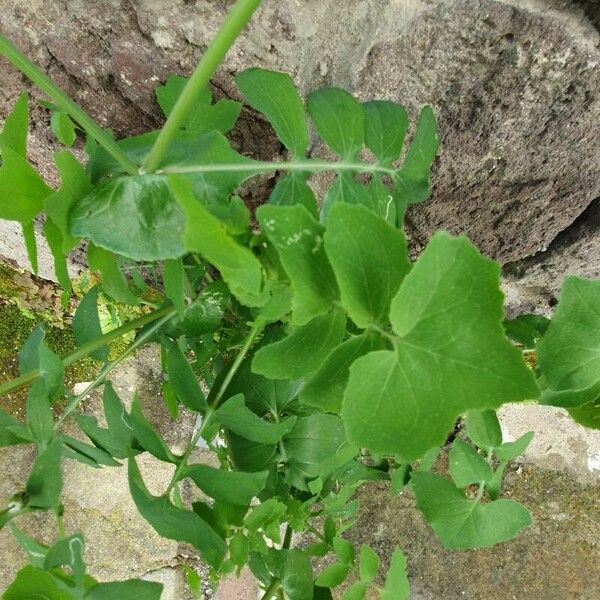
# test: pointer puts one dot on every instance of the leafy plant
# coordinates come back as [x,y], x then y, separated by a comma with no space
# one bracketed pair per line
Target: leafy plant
[331,358]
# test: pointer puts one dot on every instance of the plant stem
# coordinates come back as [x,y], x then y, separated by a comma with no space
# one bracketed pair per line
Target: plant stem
[287,538]
[231,28]
[108,367]
[64,102]
[271,590]
[306,165]
[89,347]
[207,417]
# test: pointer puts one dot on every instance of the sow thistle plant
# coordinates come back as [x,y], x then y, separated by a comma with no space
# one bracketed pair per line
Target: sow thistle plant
[330,357]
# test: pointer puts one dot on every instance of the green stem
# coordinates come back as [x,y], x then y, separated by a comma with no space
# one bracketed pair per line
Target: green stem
[306,165]
[231,28]
[89,347]
[271,590]
[208,415]
[287,538]
[64,102]
[108,367]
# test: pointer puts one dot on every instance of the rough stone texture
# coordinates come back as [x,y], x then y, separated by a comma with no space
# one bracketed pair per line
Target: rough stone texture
[97,501]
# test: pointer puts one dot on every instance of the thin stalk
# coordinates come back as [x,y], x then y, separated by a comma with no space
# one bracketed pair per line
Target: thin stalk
[271,590]
[307,165]
[64,102]
[208,415]
[287,538]
[89,347]
[108,367]
[231,28]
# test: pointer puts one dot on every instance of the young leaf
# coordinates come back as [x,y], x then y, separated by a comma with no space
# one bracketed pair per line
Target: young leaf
[233,487]
[63,128]
[130,589]
[86,324]
[412,180]
[173,280]
[339,119]
[298,239]
[183,380]
[526,329]
[451,356]
[333,575]
[303,350]
[325,388]
[293,189]
[32,583]
[14,132]
[147,436]
[208,236]
[467,466]
[175,523]
[235,416]
[264,514]
[357,591]
[385,128]
[68,552]
[45,480]
[396,583]
[36,552]
[344,550]
[494,485]
[275,95]
[22,189]
[569,352]
[510,450]
[483,427]
[460,523]
[368,563]
[113,281]
[136,217]
[369,259]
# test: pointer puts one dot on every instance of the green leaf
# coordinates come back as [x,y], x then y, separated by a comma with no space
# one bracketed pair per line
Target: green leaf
[35,355]
[369,258]
[483,428]
[569,352]
[357,591]
[344,550]
[235,416]
[130,589]
[173,281]
[55,241]
[346,189]
[467,466]
[68,552]
[208,236]
[206,117]
[204,314]
[396,583]
[460,523]
[385,128]
[36,552]
[75,185]
[298,240]
[526,329]
[275,96]
[88,454]
[32,583]
[494,485]
[147,436]
[381,200]
[587,415]
[303,350]
[182,379]
[40,418]
[45,480]
[12,432]
[325,388]
[399,478]
[311,448]
[134,216]
[119,422]
[321,593]
[86,324]
[293,189]
[175,523]
[294,572]
[264,514]
[368,563]
[510,450]
[451,356]
[113,281]
[412,180]
[333,575]
[234,487]
[14,132]
[30,245]
[63,128]
[22,189]
[339,119]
